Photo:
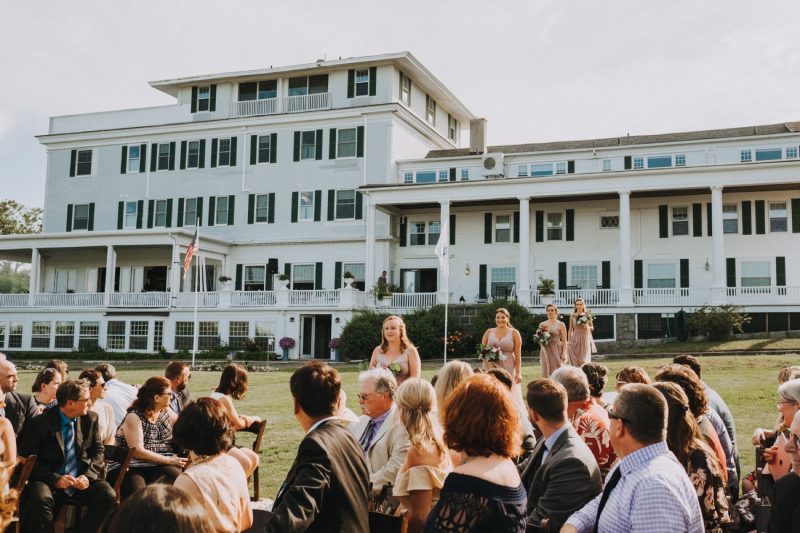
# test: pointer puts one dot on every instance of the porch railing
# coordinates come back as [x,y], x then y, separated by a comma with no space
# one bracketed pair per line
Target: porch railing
[306,102]
[289,104]
[70,299]
[413,300]
[763,295]
[314,298]
[253,299]
[138,299]
[249,108]
[13,300]
[204,299]
[592,297]
[676,296]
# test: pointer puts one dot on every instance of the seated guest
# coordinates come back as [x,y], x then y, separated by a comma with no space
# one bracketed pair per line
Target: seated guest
[785,516]
[60,366]
[448,378]
[105,413]
[697,457]
[589,419]
[484,492]
[562,475]
[213,478]
[379,431]
[597,376]
[427,464]
[327,487]
[8,441]
[120,395]
[44,388]
[159,508]
[233,386]
[766,437]
[648,490]
[69,462]
[148,428]
[178,374]
[629,374]
[19,408]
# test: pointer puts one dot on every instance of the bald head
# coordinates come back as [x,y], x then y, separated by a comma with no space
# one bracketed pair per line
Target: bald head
[8,376]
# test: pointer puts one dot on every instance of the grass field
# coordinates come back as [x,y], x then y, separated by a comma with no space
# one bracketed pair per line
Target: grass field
[747,383]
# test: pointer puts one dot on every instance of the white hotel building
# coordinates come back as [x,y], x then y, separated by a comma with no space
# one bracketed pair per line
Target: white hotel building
[351,165]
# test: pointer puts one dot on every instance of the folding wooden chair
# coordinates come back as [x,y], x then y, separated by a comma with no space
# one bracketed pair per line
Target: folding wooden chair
[388,523]
[258,429]
[24,468]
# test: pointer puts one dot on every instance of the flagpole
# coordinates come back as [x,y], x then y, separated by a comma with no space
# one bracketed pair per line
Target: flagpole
[443,255]
[195,327]
[446,305]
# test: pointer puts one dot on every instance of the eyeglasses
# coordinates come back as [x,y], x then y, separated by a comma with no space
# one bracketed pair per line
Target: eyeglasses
[83,399]
[365,397]
[784,402]
[614,416]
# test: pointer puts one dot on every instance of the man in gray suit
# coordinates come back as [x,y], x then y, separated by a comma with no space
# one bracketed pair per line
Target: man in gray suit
[562,474]
[19,408]
[178,373]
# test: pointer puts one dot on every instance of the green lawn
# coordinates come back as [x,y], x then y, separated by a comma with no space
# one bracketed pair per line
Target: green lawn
[747,383]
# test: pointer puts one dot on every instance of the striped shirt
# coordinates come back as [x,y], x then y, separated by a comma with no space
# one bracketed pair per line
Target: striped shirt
[654,495]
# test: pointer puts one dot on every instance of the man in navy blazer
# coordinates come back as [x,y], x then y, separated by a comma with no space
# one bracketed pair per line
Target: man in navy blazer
[562,474]
[18,408]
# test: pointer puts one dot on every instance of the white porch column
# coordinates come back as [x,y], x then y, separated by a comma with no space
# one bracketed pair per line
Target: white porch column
[111,257]
[625,282]
[443,295]
[523,270]
[33,283]
[717,247]
[369,267]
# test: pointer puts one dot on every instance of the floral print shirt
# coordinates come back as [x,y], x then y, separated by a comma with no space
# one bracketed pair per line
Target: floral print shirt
[592,425]
[707,481]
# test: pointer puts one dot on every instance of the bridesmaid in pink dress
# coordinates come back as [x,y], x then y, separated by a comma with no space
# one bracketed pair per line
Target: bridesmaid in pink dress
[552,356]
[581,343]
[396,352]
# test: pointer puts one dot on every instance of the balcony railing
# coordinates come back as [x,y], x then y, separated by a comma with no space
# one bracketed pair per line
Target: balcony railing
[204,299]
[306,102]
[289,104]
[413,300]
[250,108]
[763,295]
[676,296]
[253,299]
[69,299]
[314,298]
[13,300]
[592,297]
[138,299]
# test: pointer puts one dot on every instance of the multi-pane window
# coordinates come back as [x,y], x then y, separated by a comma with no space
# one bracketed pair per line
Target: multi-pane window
[755,274]
[434,230]
[163,156]
[769,154]
[503,280]
[255,278]
[258,90]
[745,156]
[661,276]
[40,335]
[65,334]
[134,155]
[405,89]
[417,235]
[184,335]
[224,153]
[208,337]
[303,277]
[115,335]
[264,148]
[358,271]
[190,212]
[430,109]
[777,217]
[15,335]
[638,162]
[204,98]
[80,217]
[303,85]
[609,221]
[263,336]
[221,211]
[444,175]
[561,167]
[502,228]
[408,177]
[426,176]
[659,161]
[555,226]
[542,169]
[131,209]
[158,335]
[346,142]
[138,339]
[262,208]
[89,336]
[791,153]
[160,218]
[464,174]
[452,128]
[606,165]
[522,171]
[584,276]
[730,218]
[680,221]
[306,211]
[308,145]
[345,204]
[680,160]
[83,165]
[238,333]
[193,154]
[362,81]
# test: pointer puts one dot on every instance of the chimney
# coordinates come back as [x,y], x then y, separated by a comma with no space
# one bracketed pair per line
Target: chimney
[477,136]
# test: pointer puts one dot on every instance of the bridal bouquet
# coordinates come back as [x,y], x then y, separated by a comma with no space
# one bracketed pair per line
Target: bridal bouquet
[490,353]
[584,318]
[395,369]
[542,336]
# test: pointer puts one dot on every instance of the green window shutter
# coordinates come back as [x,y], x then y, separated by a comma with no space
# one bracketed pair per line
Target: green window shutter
[628,164]
[234,142]
[212,204]
[169,212]
[69,217]
[795,215]
[351,83]
[272,269]
[142,158]
[150,212]
[730,271]
[212,106]
[231,209]
[273,147]
[202,154]
[638,274]
[297,146]
[194,99]
[287,269]
[271,208]
[123,165]
[761,227]
[183,155]
[360,141]
[317,206]
[373,81]
[91,217]
[539,226]
[239,277]
[295,200]
[516,226]
[359,205]
[482,274]
[780,271]
[452,174]
[214,143]
[684,268]
[331,203]
[570,225]
[337,275]
[153,157]
[452,229]
[697,220]
[73,159]
[179,221]
[709,220]
[253,149]
[487,228]
[332,144]
[605,268]
[571,166]
[318,145]
[562,275]
[403,231]
[199,210]
[747,215]
[120,214]
[663,221]
[139,214]
[251,207]
[172,155]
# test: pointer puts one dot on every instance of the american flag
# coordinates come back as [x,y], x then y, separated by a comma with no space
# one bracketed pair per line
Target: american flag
[194,246]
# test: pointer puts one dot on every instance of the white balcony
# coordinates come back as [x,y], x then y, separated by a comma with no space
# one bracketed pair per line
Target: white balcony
[412,300]
[204,299]
[672,297]
[138,299]
[250,108]
[592,297]
[763,295]
[324,298]
[289,104]
[253,299]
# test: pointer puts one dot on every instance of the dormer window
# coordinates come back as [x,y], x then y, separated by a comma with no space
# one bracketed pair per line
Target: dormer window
[362,82]
[258,90]
[204,98]
[303,85]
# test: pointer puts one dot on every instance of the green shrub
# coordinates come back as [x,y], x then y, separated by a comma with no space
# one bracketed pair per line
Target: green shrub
[426,330]
[718,323]
[521,319]
[361,335]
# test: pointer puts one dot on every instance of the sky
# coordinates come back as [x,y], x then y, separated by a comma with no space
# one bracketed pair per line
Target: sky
[536,70]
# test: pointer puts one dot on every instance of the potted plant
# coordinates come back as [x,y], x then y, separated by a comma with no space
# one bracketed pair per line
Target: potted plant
[333,346]
[284,280]
[348,278]
[286,344]
[382,292]
[226,282]
[547,290]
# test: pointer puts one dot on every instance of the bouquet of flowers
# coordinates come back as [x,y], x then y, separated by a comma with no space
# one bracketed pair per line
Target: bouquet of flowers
[584,317]
[287,343]
[489,353]
[542,336]
[395,369]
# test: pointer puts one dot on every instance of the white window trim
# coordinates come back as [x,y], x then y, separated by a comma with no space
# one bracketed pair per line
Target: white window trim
[355,143]
[786,218]
[155,214]
[598,268]
[129,158]
[736,218]
[312,206]
[430,119]
[646,270]
[336,216]
[186,212]
[125,214]
[428,232]
[216,210]
[219,151]
[356,83]
[199,88]
[93,167]
[600,221]
[188,145]
[258,148]
[75,212]
[314,156]
[245,281]
[547,226]
[772,270]
[672,220]
[255,209]
[424,233]
[510,228]
[406,101]
[158,158]
[292,277]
